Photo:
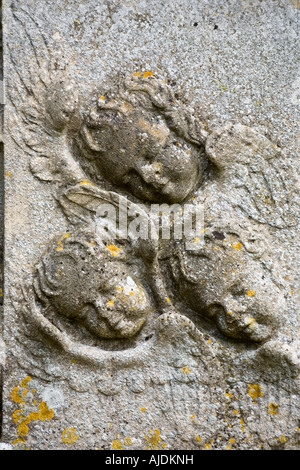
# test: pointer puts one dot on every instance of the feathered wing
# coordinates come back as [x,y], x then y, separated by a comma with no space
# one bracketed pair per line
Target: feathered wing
[253,174]
[41,100]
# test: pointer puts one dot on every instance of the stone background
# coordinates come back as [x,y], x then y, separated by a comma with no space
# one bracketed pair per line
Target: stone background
[237,60]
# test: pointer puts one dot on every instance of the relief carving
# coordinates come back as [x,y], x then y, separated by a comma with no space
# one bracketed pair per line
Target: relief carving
[136,141]
[231,281]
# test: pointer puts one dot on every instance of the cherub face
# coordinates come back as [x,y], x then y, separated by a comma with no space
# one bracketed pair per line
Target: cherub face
[145,156]
[232,290]
[101,294]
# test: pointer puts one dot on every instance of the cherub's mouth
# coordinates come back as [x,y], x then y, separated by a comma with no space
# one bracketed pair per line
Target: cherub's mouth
[152,191]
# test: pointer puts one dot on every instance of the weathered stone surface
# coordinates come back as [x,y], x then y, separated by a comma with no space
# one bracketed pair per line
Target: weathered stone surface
[119,336]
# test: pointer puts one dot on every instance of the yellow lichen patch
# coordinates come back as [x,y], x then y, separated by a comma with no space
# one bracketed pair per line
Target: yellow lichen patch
[137,74]
[198,438]
[168,300]
[23,429]
[19,441]
[251,323]
[114,250]
[232,441]
[251,293]
[67,235]
[86,183]
[207,447]
[148,74]
[120,289]
[237,246]
[128,442]
[69,436]
[25,382]
[143,410]
[17,398]
[110,303]
[102,98]
[60,243]
[229,395]
[117,445]
[243,425]
[153,440]
[186,370]
[8,174]
[255,391]
[17,416]
[273,409]
[45,413]
[283,439]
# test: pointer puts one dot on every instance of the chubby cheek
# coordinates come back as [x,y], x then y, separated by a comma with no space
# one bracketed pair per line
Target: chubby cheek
[181,167]
[129,299]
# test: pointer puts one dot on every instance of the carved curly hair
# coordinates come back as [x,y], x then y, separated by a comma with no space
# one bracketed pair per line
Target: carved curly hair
[150,94]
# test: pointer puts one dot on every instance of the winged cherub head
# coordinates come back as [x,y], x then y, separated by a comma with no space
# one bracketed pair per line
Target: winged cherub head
[141,138]
[230,280]
[89,282]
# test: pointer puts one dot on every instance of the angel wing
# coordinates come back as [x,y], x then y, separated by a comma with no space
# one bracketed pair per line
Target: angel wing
[41,99]
[253,173]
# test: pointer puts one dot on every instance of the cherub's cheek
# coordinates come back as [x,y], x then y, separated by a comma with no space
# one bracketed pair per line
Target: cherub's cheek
[135,303]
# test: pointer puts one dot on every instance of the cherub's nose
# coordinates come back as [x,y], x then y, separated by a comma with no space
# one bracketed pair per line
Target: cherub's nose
[233,307]
[152,173]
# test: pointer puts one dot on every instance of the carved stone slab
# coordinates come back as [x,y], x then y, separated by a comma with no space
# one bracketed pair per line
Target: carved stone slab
[151,226]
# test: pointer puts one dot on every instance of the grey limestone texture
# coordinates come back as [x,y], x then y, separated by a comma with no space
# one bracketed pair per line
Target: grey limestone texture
[112,338]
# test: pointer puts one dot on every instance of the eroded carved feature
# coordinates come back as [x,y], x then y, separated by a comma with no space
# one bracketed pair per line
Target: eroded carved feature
[231,281]
[163,159]
[90,282]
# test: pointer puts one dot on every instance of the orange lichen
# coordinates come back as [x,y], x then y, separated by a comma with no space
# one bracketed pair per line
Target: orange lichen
[17,398]
[273,409]
[69,436]
[23,421]
[148,74]
[86,183]
[117,445]
[114,250]
[237,246]
[153,440]
[255,391]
